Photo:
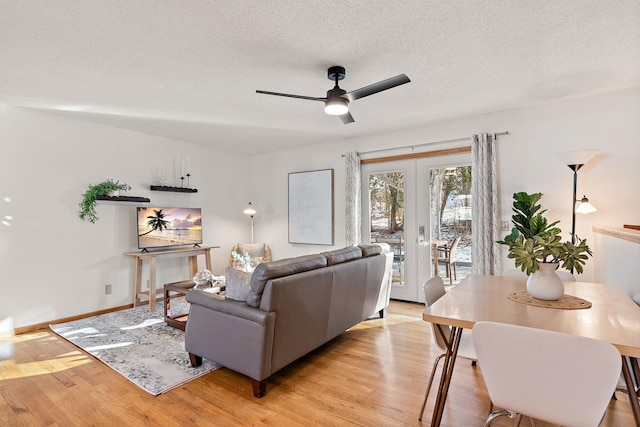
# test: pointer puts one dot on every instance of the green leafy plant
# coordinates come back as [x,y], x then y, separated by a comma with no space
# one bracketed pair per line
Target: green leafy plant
[534,240]
[89,198]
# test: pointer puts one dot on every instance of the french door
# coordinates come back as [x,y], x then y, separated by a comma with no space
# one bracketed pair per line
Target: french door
[400,208]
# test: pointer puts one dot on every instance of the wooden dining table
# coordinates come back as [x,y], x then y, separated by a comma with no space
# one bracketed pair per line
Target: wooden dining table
[613,317]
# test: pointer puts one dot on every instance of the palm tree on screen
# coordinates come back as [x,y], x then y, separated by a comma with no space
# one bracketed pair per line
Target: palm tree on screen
[156,222]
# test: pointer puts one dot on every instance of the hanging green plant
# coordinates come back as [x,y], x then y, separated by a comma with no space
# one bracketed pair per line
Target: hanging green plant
[89,198]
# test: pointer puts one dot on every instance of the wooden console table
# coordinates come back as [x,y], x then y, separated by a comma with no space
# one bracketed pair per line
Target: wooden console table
[151,256]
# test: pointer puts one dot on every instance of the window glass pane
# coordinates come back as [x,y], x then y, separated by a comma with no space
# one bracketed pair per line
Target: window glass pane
[387,217]
[450,195]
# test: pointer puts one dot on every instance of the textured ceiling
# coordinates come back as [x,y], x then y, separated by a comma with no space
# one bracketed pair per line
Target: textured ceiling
[188,70]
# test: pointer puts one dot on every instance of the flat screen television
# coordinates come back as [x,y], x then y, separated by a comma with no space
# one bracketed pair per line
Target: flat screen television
[166,227]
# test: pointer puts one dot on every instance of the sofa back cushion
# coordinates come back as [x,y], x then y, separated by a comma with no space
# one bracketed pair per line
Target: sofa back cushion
[370,250]
[339,256]
[284,267]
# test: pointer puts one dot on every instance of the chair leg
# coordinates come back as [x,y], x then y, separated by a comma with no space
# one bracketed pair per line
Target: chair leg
[495,414]
[455,276]
[426,394]
[517,419]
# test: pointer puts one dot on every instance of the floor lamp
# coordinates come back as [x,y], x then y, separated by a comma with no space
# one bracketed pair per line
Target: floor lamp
[251,212]
[575,160]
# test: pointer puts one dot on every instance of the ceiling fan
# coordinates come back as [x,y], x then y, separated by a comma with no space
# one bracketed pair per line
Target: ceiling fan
[336,103]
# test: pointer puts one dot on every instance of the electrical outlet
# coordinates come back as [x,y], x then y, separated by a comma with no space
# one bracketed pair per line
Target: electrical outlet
[504,225]
[107,289]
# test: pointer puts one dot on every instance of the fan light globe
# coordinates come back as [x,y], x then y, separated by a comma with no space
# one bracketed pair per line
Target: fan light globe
[336,106]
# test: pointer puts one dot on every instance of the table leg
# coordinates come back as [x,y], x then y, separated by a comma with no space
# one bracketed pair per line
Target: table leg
[447,372]
[207,258]
[137,287]
[635,375]
[152,284]
[193,265]
[631,385]
[167,303]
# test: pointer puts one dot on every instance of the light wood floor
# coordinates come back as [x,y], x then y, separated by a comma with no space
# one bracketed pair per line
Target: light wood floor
[372,375]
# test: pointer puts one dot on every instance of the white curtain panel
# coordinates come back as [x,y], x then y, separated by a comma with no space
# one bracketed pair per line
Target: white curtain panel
[485,253]
[352,205]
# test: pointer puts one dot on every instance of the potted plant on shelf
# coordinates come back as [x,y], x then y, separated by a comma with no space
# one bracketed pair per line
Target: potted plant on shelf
[536,246]
[89,198]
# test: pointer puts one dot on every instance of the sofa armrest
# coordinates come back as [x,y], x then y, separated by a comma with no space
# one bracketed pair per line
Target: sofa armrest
[385,288]
[230,333]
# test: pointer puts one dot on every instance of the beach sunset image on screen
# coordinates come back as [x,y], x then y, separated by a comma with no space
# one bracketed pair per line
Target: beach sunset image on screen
[163,227]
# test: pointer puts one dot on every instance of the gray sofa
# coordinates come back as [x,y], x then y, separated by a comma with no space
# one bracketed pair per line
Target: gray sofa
[294,306]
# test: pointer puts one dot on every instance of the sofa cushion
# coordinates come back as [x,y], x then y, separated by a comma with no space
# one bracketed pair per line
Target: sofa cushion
[342,255]
[370,250]
[236,284]
[384,246]
[284,267]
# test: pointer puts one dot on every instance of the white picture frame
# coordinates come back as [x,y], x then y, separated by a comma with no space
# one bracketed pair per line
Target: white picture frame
[311,207]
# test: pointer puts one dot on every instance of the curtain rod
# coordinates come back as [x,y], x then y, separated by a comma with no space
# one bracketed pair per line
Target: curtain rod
[466,138]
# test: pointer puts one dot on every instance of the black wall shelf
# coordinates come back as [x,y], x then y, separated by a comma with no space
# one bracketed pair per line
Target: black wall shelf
[173,189]
[124,199]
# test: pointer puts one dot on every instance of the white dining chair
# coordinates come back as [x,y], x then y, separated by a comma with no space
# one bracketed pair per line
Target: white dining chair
[554,377]
[433,290]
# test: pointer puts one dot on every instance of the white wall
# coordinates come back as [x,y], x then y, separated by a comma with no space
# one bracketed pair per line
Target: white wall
[52,264]
[608,122]
[617,262]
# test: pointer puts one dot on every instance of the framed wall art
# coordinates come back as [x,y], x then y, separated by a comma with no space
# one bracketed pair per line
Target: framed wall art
[311,207]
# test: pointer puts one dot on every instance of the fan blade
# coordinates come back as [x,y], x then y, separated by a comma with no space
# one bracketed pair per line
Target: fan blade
[291,96]
[346,118]
[378,87]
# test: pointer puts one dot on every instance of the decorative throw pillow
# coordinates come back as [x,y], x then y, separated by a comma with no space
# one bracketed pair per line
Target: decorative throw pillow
[237,284]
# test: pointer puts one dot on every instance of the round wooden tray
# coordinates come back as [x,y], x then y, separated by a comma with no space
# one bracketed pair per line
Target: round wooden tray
[565,302]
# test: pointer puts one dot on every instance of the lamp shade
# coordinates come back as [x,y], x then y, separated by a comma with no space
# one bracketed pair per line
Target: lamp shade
[585,207]
[336,106]
[249,210]
[577,157]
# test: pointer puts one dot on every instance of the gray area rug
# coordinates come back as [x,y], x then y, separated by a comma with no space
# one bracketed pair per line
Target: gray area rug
[138,345]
